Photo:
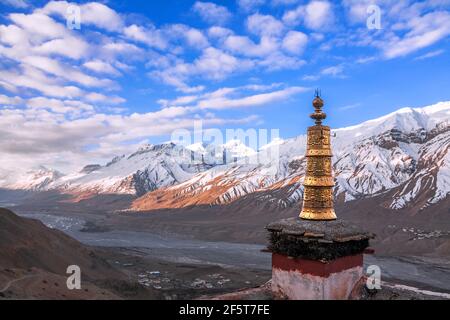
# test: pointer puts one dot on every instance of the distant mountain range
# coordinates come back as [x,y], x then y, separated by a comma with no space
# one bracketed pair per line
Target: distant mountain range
[403,155]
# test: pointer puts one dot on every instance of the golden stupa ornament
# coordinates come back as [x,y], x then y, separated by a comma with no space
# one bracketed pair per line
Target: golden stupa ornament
[319,182]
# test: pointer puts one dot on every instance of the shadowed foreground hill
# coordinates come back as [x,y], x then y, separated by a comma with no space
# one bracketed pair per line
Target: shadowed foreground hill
[26,243]
[34,260]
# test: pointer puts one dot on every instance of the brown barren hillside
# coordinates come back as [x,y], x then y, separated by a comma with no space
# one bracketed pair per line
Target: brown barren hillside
[27,243]
[34,260]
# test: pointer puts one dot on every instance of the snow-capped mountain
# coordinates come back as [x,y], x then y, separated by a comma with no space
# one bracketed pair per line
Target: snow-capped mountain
[232,151]
[149,168]
[430,181]
[34,180]
[407,149]
[404,154]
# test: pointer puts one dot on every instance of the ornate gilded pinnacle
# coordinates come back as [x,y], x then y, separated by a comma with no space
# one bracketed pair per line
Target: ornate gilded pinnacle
[318,115]
[318,184]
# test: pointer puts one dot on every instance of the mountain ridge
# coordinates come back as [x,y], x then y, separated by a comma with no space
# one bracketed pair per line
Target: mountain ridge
[408,147]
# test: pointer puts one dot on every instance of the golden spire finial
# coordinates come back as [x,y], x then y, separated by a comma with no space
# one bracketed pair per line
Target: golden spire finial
[319,182]
[318,103]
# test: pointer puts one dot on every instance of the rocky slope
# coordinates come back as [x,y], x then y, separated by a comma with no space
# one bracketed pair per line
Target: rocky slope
[34,260]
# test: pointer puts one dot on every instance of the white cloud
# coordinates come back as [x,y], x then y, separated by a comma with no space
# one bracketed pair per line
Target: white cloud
[407,26]
[92,13]
[101,16]
[5,100]
[64,71]
[315,15]
[211,12]
[264,25]
[218,94]
[98,97]
[350,106]
[101,67]
[216,64]
[249,5]
[196,38]
[122,66]
[430,54]
[41,34]
[184,100]
[245,46]
[224,102]
[13,36]
[424,31]
[122,48]
[280,61]
[262,87]
[188,89]
[294,17]
[36,48]
[283,2]
[39,25]
[150,36]
[295,42]
[364,60]
[219,32]
[60,106]
[237,97]
[333,71]
[32,78]
[71,47]
[192,36]
[16,3]
[318,14]
[357,9]
[213,64]
[8,86]
[310,77]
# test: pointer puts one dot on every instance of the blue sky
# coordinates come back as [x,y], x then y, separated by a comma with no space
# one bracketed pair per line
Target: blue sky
[138,70]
